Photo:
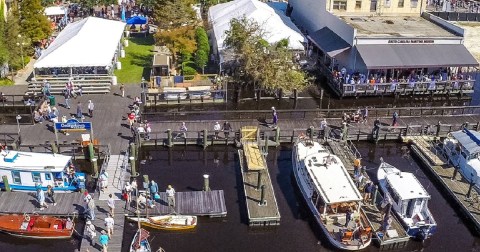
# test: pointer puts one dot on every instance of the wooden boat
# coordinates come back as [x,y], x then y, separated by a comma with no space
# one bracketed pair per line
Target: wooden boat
[140,241]
[329,193]
[409,200]
[169,222]
[37,226]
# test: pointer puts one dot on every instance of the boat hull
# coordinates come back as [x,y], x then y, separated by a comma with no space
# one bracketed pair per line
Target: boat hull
[316,214]
[40,227]
[151,223]
[143,245]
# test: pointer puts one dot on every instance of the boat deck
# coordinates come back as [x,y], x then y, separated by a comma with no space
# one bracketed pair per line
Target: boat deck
[258,215]
[199,203]
[399,238]
[23,202]
[457,188]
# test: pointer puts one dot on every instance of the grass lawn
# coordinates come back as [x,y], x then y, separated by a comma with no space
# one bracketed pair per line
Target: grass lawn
[137,62]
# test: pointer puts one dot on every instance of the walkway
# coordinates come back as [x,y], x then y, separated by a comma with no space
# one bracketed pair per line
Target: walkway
[23,74]
[22,202]
[117,175]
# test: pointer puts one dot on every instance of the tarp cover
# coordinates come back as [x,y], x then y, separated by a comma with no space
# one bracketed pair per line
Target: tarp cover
[415,56]
[276,25]
[329,42]
[55,10]
[137,20]
[86,43]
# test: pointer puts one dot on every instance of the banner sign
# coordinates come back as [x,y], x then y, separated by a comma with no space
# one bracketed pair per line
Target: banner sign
[73,125]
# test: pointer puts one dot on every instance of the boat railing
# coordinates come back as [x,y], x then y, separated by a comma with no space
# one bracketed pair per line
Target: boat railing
[353,149]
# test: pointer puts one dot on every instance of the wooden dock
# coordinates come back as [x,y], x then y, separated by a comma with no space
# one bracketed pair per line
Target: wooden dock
[199,203]
[258,214]
[347,152]
[23,202]
[456,188]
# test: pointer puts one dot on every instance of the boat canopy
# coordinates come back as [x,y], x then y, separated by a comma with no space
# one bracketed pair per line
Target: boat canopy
[469,140]
[406,185]
[17,160]
[330,177]
[199,88]
[174,90]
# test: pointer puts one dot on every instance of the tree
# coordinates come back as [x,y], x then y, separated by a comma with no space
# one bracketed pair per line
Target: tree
[12,28]
[179,41]
[201,38]
[35,25]
[201,59]
[3,49]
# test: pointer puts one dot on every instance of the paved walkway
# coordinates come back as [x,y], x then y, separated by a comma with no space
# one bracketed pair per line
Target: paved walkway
[23,74]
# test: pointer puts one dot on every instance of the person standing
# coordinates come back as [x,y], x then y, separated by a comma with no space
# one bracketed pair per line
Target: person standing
[109,224]
[131,119]
[153,188]
[66,95]
[128,194]
[395,118]
[90,107]
[103,240]
[90,207]
[226,129]
[171,196]
[79,111]
[103,179]
[348,217]
[216,129]
[111,204]
[79,90]
[134,188]
[365,115]
[41,199]
[90,232]
[275,119]
[323,126]
[356,166]
[122,90]
[51,194]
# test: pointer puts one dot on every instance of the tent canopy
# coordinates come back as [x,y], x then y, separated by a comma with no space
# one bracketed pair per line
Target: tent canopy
[329,42]
[86,43]
[275,23]
[137,20]
[55,11]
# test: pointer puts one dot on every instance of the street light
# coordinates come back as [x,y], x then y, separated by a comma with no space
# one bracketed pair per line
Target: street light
[19,117]
[143,90]
[21,49]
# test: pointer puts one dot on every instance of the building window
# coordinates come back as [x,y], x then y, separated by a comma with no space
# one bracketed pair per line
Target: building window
[387,3]
[16,177]
[36,177]
[48,176]
[340,5]
[373,6]
[358,4]
[413,3]
[401,3]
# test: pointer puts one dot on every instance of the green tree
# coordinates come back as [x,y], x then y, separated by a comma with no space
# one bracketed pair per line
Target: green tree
[172,14]
[201,59]
[3,49]
[12,28]
[201,38]
[35,25]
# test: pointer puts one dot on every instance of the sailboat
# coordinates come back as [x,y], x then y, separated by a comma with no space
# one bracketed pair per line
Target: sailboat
[140,240]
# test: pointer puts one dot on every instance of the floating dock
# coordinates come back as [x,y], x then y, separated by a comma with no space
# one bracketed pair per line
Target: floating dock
[456,187]
[24,202]
[257,184]
[396,237]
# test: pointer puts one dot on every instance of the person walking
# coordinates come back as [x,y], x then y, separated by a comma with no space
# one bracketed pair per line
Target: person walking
[153,188]
[90,207]
[51,194]
[368,189]
[90,232]
[131,119]
[41,199]
[323,126]
[216,129]
[90,107]
[80,111]
[109,224]
[134,188]
[275,120]
[127,194]
[103,179]
[226,129]
[348,217]
[103,240]
[66,95]
[122,90]
[171,196]
[395,118]
[365,115]
[183,131]
[111,204]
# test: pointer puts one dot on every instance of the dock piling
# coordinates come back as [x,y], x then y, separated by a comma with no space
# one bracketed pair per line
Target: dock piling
[205,138]
[277,135]
[310,132]
[54,148]
[262,195]
[93,160]
[206,182]
[169,138]
[132,160]
[439,126]
[265,136]
[5,182]
[259,180]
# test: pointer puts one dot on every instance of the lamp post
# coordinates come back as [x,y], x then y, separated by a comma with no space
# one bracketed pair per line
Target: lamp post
[143,91]
[21,44]
[19,117]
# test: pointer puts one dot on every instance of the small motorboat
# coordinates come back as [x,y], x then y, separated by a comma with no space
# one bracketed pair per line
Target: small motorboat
[37,226]
[140,241]
[169,222]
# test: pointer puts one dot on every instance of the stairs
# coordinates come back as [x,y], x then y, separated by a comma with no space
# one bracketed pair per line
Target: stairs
[117,175]
[100,84]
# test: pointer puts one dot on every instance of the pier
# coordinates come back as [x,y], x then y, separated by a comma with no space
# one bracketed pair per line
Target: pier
[394,238]
[68,204]
[453,184]
[262,208]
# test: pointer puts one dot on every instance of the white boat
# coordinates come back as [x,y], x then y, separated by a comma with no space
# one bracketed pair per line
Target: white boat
[199,92]
[140,241]
[462,148]
[329,192]
[409,200]
[26,171]
[175,93]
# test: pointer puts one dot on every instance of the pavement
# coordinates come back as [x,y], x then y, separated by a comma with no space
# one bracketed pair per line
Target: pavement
[23,74]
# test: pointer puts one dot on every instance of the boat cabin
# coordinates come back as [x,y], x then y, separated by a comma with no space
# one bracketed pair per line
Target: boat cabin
[175,93]
[199,92]
[463,149]
[408,197]
[26,171]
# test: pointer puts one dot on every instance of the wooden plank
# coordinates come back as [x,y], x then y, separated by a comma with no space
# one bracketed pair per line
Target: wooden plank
[23,202]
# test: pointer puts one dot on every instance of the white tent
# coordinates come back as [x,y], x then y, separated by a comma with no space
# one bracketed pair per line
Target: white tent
[275,23]
[89,42]
[55,11]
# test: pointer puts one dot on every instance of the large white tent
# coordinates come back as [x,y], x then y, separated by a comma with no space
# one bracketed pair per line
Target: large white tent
[275,23]
[90,42]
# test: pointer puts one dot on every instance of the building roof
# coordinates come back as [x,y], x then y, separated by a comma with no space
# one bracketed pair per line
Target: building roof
[275,23]
[34,161]
[415,55]
[333,181]
[396,27]
[406,185]
[329,42]
[469,139]
[86,43]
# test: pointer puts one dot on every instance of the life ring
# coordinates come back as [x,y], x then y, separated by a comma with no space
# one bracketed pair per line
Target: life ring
[26,217]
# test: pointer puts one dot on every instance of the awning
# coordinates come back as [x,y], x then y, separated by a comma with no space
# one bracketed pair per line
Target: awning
[329,42]
[415,56]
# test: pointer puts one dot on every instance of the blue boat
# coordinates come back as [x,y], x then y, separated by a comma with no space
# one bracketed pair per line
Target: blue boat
[27,171]
[409,200]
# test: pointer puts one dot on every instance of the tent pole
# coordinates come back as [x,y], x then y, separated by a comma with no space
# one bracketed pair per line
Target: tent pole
[71,71]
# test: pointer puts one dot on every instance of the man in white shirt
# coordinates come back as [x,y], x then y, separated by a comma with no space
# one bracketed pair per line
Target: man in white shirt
[217,129]
[109,224]
[171,196]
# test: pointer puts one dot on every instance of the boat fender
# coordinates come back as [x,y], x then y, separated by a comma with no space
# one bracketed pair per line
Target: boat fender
[26,217]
